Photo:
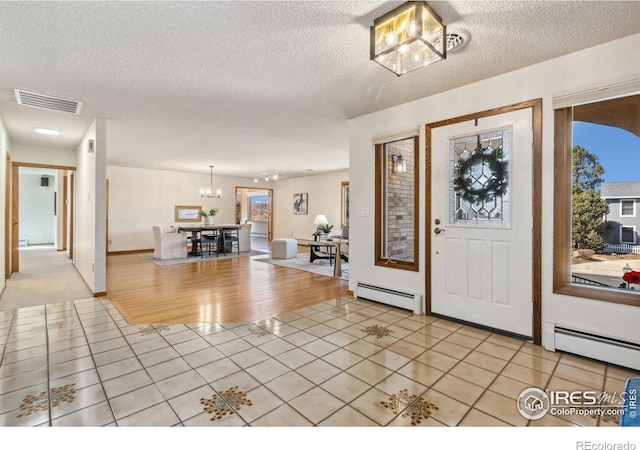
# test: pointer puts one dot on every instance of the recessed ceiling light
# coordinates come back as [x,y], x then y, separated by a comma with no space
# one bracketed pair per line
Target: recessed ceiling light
[47,131]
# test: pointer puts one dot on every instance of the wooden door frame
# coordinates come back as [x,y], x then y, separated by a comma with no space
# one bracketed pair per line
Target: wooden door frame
[106,234]
[536,232]
[65,194]
[15,215]
[270,221]
[343,185]
[72,209]
[7,217]
[15,201]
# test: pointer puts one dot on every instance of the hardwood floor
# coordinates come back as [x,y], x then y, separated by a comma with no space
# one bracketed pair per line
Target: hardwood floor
[226,290]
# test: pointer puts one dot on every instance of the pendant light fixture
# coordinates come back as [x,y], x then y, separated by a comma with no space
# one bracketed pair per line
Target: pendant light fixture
[208,191]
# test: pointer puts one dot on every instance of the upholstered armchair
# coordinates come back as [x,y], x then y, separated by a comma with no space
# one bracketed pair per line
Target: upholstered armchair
[169,245]
[244,235]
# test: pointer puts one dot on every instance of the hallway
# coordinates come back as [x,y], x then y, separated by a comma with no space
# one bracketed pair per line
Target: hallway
[45,276]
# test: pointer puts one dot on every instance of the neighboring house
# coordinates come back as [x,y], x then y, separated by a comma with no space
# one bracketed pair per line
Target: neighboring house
[623,198]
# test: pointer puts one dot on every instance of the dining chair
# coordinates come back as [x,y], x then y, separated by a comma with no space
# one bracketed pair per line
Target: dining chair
[210,241]
[169,245]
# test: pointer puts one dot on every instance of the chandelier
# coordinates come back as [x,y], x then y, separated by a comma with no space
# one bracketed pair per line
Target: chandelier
[208,191]
[407,38]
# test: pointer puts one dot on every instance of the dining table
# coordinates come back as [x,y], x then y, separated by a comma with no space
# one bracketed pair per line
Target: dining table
[219,234]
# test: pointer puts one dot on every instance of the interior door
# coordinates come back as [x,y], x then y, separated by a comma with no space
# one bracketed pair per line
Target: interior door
[481,235]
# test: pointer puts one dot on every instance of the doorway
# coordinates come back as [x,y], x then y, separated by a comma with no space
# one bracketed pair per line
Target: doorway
[254,206]
[483,219]
[41,204]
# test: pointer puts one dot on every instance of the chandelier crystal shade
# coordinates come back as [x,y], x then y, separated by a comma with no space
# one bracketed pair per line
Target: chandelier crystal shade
[408,38]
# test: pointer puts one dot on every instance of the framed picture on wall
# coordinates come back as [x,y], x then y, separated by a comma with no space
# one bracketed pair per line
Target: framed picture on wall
[300,203]
[186,213]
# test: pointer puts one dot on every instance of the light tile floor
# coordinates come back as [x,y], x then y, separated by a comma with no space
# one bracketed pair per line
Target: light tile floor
[344,362]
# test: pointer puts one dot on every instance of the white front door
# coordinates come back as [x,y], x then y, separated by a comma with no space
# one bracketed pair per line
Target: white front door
[481,235]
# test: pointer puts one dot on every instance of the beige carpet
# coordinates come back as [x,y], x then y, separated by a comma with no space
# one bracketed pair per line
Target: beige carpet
[196,259]
[301,262]
[46,276]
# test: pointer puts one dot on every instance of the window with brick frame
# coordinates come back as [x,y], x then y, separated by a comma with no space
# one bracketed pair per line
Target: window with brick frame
[396,202]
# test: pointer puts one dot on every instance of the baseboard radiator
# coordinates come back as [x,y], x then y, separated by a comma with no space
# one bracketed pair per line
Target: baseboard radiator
[404,300]
[614,351]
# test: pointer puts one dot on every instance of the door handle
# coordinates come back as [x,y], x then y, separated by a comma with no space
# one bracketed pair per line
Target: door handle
[439,230]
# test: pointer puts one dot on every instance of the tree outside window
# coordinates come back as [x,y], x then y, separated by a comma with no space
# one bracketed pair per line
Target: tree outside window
[588,228]
[596,188]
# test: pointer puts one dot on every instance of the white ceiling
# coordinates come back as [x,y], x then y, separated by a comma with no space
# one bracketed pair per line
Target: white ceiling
[255,87]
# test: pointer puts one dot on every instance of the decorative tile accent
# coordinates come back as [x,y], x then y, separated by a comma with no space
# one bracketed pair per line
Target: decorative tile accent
[607,418]
[225,403]
[610,408]
[144,331]
[40,402]
[258,331]
[151,329]
[418,409]
[377,331]
[43,328]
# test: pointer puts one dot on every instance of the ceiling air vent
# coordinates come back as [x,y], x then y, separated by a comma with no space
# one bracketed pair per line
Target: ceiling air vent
[47,102]
[456,40]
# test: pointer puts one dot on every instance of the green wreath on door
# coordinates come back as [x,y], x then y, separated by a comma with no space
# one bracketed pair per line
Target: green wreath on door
[483,193]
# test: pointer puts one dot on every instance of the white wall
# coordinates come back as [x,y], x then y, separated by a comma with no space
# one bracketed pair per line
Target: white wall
[90,213]
[44,155]
[142,198]
[100,238]
[4,149]
[324,198]
[38,223]
[574,72]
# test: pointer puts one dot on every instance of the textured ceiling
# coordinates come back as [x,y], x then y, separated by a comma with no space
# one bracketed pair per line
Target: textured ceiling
[255,87]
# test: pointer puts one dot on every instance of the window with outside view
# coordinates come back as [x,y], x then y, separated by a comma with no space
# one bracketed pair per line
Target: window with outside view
[605,192]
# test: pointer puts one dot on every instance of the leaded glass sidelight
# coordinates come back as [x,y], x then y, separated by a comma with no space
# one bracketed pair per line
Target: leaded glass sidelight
[479,180]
